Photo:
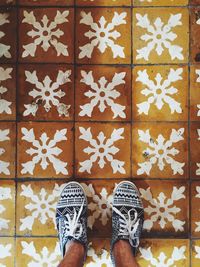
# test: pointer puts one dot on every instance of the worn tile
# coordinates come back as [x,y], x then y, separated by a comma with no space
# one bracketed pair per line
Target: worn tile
[7,92]
[46,2]
[160,39]
[38,252]
[194,2]
[45,92]
[54,40]
[195,150]
[195,93]
[195,253]
[7,254]
[103,93]
[103,2]
[160,2]
[102,150]
[103,35]
[195,209]
[43,149]
[7,149]
[7,2]
[195,35]
[7,208]
[160,150]
[160,93]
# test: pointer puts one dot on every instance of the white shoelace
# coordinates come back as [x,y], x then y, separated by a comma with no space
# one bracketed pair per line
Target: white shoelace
[128,226]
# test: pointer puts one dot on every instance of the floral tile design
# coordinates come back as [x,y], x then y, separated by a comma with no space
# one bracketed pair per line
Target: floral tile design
[38,252]
[103,93]
[36,202]
[160,2]
[160,93]
[195,150]
[195,92]
[196,253]
[43,150]
[47,34]
[160,150]
[103,2]
[102,150]
[7,92]
[46,2]
[195,217]
[162,39]
[195,28]
[7,254]
[103,35]
[46,95]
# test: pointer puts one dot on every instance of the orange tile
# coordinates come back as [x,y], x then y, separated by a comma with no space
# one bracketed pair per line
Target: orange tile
[103,2]
[160,150]
[151,35]
[43,150]
[103,93]
[195,150]
[195,37]
[195,216]
[160,2]
[195,92]
[46,2]
[7,254]
[102,150]
[195,253]
[160,93]
[110,43]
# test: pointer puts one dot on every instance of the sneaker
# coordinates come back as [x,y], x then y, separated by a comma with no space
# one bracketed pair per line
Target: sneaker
[71,216]
[127,215]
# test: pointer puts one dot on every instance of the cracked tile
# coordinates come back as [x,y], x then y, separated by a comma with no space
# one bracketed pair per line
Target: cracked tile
[194,36]
[195,253]
[103,2]
[195,150]
[7,254]
[195,210]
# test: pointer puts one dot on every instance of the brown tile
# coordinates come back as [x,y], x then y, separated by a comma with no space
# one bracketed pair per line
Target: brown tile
[103,2]
[160,2]
[102,150]
[110,43]
[45,92]
[160,93]
[195,209]
[194,2]
[195,253]
[149,29]
[160,150]
[55,42]
[7,2]
[8,255]
[103,93]
[195,150]
[195,35]
[195,92]
[46,2]
[7,92]
[43,150]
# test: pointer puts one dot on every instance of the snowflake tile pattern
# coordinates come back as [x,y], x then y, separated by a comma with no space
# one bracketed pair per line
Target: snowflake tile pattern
[103,2]
[103,93]
[46,95]
[160,93]
[195,253]
[102,150]
[46,2]
[160,2]
[103,36]
[195,150]
[7,254]
[161,150]
[195,217]
[162,39]
[43,150]
[47,35]
[195,93]
[195,38]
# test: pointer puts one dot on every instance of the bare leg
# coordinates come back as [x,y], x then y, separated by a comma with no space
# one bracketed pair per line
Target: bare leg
[74,255]
[123,255]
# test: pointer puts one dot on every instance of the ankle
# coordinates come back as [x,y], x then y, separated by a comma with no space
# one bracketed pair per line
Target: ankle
[76,248]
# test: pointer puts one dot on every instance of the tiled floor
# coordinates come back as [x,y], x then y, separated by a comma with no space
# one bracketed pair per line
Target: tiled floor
[100,91]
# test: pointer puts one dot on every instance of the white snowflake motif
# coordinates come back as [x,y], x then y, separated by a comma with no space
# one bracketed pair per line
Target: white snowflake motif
[4,49]
[159,36]
[102,94]
[101,207]
[197,229]
[42,258]
[198,164]
[197,250]
[4,165]
[101,149]
[198,81]
[163,260]
[45,33]
[100,260]
[163,209]
[5,252]
[41,206]
[47,92]
[4,104]
[160,152]
[102,36]
[160,91]
[44,151]
[5,194]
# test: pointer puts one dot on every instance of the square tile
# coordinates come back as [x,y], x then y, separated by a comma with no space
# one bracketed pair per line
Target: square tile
[194,2]
[103,93]
[195,209]
[195,93]
[7,2]
[7,92]
[8,28]
[103,35]
[7,208]
[43,150]
[7,149]
[195,253]
[160,93]
[46,2]
[102,150]
[46,34]
[103,2]
[160,2]
[195,150]
[160,150]
[160,39]
[7,249]
[46,92]
[194,35]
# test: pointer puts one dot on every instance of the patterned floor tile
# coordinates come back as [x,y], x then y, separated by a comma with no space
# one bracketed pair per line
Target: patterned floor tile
[195,150]
[7,92]
[103,35]
[160,150]
[195,92]
[43,150]
[196,253]
[47,34]
[160,2]
[46,2]
[7,2]
[103,2]
[194,2]
[162,39]
[7,254]
[160,93]
[102,150]
[45,92]
[103,93]
[195,37]
[195,217]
